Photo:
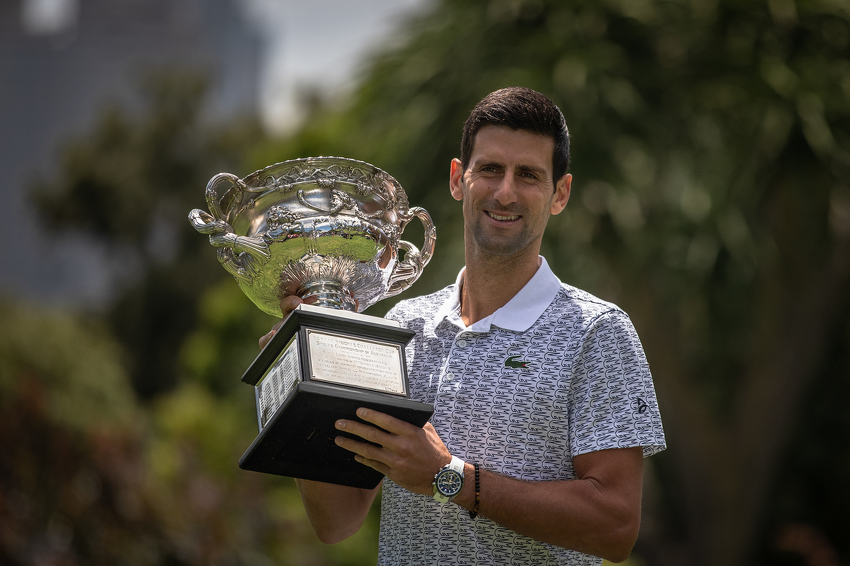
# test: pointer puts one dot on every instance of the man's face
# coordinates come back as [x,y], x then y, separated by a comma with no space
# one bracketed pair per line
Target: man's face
[507,191]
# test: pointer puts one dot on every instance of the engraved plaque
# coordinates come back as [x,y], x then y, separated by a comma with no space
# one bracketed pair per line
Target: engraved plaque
[355,362]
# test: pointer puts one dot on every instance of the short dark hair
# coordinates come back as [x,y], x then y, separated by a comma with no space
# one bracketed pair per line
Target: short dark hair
[520,108]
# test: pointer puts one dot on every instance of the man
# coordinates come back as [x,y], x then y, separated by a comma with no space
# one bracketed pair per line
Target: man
[543,399]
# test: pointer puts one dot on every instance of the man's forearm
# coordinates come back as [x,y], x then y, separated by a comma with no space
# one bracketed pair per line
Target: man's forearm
[598,516]
[598,513]
[335,511]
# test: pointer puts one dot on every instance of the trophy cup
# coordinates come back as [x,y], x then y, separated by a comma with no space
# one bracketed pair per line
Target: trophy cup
[326,229]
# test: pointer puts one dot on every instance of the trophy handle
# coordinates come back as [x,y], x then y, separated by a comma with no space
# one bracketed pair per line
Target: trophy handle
[213,202]
[408,271]
[239,255]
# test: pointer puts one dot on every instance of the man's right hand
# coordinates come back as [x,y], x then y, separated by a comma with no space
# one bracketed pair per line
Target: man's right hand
[287,305]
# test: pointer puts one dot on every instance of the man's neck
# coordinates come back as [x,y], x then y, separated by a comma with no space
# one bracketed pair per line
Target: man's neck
[488,286]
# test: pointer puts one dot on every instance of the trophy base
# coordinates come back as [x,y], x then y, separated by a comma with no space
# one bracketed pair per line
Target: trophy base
[321,366]
[299,440]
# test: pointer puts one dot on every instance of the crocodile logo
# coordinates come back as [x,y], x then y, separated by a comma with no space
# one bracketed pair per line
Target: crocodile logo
[512,362]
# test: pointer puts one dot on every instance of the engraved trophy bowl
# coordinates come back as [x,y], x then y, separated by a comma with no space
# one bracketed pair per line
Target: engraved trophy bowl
[326,229]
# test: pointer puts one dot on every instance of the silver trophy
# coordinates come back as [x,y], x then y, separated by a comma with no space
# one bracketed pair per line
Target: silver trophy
[326,229]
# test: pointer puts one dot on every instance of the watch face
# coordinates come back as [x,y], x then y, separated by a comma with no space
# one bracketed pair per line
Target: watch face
[449,482]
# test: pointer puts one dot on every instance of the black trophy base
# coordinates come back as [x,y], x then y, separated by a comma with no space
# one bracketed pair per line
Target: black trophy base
[298,442]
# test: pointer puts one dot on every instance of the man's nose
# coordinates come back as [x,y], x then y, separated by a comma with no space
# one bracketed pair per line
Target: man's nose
[506,191]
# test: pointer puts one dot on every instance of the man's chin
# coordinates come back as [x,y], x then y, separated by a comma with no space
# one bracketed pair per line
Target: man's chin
[505,248]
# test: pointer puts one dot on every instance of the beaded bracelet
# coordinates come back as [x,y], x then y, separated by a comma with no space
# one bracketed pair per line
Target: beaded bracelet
[474,511]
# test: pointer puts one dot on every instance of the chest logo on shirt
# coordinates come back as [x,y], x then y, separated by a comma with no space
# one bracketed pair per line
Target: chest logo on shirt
[512,362]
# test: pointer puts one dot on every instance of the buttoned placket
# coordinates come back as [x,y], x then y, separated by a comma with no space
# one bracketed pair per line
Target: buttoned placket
[463,339]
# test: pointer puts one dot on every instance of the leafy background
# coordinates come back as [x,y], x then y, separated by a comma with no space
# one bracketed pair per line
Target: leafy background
[711,158]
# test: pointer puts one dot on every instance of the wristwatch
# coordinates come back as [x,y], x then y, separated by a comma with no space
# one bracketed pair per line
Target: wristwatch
[449,480]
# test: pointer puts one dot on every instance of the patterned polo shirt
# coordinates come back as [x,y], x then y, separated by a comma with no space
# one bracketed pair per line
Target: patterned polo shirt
[554,373]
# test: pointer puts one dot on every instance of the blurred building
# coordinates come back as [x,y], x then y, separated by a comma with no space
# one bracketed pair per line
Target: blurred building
[60,61]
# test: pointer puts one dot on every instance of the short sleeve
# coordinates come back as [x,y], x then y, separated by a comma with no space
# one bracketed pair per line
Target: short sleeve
[613,397]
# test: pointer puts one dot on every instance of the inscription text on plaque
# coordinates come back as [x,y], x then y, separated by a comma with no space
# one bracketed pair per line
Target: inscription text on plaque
[356,362]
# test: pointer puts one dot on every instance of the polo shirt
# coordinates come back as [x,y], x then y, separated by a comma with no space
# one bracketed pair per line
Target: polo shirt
[554,373]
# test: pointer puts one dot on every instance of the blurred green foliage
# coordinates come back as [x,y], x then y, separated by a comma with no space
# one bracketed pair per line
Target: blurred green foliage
[711,199]
[131,182]
[40,357]
[89,476]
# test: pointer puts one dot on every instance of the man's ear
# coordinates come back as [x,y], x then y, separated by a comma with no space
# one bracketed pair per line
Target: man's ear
[456,179]
[562,194]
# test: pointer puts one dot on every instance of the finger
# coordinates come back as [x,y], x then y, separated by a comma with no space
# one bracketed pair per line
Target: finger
[364,431]
[367,454]
[289,303]
[265,339]
[386,422]
[374,464]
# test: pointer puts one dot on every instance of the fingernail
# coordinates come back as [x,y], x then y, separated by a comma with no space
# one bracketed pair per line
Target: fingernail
[338,440]
[340,424]
[361,412]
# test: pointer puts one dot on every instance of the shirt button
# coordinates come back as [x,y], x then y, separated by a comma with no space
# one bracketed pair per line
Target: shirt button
[461,343]
[449,376]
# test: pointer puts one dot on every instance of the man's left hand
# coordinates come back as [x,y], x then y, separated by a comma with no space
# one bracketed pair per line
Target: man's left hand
[408,455]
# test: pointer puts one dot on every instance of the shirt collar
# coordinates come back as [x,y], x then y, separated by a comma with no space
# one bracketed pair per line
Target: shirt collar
[518,314]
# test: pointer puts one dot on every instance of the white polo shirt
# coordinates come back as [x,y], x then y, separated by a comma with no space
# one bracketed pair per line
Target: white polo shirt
[554,373]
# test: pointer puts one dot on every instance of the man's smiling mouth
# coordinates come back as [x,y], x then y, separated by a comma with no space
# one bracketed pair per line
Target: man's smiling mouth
[500,217]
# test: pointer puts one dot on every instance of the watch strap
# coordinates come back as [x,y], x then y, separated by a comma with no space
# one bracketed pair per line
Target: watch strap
[457,465]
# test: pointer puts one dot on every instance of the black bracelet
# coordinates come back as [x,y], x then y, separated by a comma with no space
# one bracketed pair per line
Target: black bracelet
[474,511]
